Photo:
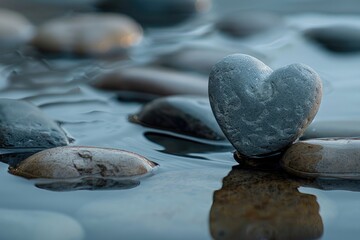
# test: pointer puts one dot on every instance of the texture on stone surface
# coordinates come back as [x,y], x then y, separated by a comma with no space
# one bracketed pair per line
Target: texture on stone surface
[262,111]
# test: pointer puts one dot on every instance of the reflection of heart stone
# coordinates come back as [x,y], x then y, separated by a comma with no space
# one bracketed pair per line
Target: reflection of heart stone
[262,111]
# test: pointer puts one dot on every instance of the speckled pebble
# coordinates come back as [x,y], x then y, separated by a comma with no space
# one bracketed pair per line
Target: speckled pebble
[88,34]
[327,158]
[75,162]
[262,111]
[189,115]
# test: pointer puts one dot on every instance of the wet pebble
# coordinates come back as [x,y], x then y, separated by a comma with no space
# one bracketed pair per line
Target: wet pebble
[189,115]
[156,12]
[262,111]
[154,81]
[88,34]
[327,158]
[14,28]
[198,59]
[23,125]
[329,129]
[339,39]
[245,24]
[75,162]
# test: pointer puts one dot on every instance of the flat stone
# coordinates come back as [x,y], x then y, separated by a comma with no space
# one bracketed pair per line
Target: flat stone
[155,81]
[88,34]
[339,39]
[156,12]
[198,59]
[23,125]
[327,158]
[189,115]
[14,28]
[245,24]
[75,162]
[331,129]
[262,111]
[34,224]
[263,205]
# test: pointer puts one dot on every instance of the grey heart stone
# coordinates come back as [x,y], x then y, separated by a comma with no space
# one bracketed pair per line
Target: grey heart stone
[262,111]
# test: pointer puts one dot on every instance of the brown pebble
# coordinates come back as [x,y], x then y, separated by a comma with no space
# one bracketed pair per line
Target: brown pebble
[89,34]
[74,162]
[157,81]
[328,158]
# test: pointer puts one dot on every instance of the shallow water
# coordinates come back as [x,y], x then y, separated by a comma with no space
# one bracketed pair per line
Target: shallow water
[175,202]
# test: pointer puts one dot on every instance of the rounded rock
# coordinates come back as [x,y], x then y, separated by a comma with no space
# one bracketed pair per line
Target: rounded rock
[327,158]
[262,111]
[338,39]
[14,28]
[245,24]
[75,162]
[88,34]
[189,115]
[154,81]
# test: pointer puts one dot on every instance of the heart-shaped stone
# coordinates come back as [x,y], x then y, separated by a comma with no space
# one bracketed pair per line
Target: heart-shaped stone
[262,111]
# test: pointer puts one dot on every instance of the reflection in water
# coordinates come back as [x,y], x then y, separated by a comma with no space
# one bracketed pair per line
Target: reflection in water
[89,183]
[263,205]
[183,147]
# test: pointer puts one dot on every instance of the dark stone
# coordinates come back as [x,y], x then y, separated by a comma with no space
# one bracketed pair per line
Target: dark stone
[338,39]
[156,12]
[262,111]
[181,114]
[22,125]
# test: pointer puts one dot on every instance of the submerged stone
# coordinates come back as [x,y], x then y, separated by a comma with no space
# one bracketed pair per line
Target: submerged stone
[14,28]
[244,24]
[155,81]
[156,12]
[88,34]
[75,162]
[340,39]
[327,158]
[23,125]
[181,114]
[262,111]
[34,224]
[263,205]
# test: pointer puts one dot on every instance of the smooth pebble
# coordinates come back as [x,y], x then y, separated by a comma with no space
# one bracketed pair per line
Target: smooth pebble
[14,28]
[338,39]
[262,111]
[189,115]
[88,34]
[23,125]
[154,81]
[325,158]
[78,161]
